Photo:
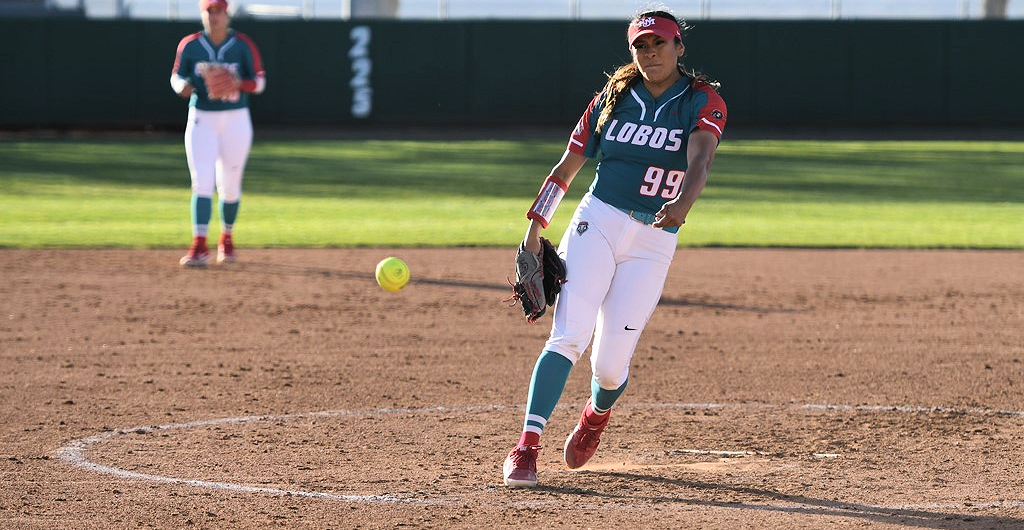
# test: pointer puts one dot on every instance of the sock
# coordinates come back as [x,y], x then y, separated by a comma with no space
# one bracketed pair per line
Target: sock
[602,400]
[202,209]
[228,214]
[546,386]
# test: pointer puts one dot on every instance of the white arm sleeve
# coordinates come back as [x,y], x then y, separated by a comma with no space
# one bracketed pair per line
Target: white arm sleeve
[261,83]
[178,83]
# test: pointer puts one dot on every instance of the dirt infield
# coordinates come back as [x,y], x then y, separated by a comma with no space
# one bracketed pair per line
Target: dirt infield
[772,389]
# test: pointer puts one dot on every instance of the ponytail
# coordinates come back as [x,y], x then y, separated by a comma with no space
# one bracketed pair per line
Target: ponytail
[618,83]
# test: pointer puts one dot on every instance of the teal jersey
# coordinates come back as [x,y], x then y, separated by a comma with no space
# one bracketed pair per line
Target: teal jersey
[238,53]
[642,146]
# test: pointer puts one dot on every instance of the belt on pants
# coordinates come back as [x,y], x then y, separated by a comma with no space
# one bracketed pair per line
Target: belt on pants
[646,218]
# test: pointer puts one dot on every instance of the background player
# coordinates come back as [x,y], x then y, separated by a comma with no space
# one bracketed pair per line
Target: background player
[216,69]
[657,127]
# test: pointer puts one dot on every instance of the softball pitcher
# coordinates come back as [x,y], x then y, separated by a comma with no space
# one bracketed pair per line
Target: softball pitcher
[656,126]
[216,69]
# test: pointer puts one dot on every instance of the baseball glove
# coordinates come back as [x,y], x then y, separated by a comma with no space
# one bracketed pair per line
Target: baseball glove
[539,279]
[220,82]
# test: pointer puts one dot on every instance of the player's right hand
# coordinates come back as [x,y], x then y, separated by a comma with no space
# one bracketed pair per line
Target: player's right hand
[533,245]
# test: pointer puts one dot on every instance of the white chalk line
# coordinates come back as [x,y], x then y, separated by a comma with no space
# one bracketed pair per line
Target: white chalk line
[74,453]
[740,454]
[921,410]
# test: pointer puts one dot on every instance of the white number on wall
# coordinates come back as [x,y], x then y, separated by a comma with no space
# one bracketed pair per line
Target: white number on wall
[362,65]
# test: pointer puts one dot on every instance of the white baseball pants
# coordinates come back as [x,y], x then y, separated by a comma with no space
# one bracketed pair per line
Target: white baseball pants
[616,269]
[217,147]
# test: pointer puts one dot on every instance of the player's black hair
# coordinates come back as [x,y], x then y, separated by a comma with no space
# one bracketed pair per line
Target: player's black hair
[628,75]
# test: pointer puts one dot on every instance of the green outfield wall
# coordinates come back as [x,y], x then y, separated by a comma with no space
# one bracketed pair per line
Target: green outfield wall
[80,73]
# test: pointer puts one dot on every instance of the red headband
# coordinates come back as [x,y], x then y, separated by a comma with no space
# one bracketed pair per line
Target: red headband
[659,26]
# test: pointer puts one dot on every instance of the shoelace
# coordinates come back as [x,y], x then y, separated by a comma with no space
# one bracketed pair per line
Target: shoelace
[590,437]
[591,434]
[527,453]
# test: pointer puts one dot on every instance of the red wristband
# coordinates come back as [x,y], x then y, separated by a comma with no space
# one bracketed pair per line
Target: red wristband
[544,206]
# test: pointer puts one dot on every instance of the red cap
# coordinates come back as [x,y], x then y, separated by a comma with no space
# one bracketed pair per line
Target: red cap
[659,26]
[205,5]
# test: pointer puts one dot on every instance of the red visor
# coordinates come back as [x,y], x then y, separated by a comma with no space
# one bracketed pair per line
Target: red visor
[659,26]
[205,5]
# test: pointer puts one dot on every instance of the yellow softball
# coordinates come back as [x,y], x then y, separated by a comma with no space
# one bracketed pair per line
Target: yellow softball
[392,274]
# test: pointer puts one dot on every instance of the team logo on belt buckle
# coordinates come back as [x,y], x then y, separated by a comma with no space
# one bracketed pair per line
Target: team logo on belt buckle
[581,227]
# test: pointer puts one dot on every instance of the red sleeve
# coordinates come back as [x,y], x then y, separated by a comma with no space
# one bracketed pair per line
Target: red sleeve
[252,85]
[584,129]
[713,114]
[177,54]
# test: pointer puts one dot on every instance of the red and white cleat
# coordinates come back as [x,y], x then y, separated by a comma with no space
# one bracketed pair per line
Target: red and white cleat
[198,255]
[583,441]
[225,250]
[521,466]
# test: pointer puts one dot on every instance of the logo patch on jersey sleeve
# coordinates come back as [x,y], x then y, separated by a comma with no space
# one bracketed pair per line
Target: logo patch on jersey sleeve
[582,227]
[717,114]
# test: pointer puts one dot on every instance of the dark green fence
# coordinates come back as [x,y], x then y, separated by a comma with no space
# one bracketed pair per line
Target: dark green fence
[77,73]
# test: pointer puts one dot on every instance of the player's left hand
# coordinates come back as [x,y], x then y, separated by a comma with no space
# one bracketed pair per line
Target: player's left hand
[671,214]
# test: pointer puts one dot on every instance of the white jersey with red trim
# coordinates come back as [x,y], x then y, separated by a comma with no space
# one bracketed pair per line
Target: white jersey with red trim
[643,143]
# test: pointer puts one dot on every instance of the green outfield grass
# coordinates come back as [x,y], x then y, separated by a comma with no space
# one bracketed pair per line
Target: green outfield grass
[336,193]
